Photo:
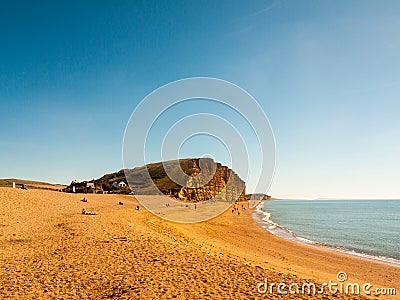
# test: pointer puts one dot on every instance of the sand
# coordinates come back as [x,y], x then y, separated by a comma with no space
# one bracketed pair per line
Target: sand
[49,250]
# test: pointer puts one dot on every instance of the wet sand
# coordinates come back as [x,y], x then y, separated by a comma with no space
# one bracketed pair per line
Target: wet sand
[49,250]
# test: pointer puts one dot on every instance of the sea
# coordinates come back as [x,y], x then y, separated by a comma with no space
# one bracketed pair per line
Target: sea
[367,228]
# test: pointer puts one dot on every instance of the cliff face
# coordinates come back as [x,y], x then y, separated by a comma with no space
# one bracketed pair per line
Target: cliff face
[212,181]
[201,180]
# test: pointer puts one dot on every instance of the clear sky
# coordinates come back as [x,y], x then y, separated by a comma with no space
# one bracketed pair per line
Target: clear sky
[327,74]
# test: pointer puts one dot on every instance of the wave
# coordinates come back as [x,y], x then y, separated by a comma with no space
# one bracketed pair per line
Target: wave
[264,220]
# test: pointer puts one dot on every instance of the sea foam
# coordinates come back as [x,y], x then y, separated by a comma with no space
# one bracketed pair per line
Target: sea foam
[264,220]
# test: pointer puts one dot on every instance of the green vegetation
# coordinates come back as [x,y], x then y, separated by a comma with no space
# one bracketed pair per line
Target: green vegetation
[8,182]
[140,181]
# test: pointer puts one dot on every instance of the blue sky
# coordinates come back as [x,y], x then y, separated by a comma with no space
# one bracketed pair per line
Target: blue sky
[327,74]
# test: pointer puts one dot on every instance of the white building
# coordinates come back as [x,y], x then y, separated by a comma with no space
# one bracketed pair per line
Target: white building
[122,184]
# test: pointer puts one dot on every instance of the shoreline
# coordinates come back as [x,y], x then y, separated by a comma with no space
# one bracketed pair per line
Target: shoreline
[263,220]
[246,240]
[50,250]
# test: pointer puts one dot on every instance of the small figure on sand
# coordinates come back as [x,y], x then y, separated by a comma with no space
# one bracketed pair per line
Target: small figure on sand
[137,207]
[195,206]
[84,212]
[84,199]
[120,203]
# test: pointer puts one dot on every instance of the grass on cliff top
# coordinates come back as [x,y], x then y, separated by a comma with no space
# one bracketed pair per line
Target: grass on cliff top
[8,182]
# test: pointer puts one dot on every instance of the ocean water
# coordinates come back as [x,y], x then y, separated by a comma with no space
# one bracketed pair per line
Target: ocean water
[368,228]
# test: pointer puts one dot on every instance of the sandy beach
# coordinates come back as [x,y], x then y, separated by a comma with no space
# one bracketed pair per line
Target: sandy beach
[49,250]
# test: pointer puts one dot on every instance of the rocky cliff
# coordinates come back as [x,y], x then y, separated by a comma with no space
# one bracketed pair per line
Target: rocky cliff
[212,181]
[196,180]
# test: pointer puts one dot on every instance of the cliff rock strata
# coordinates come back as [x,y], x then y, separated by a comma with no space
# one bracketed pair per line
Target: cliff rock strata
[212,181]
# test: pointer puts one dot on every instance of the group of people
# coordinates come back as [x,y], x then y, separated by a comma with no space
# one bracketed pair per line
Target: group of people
[237,209]
[84,212]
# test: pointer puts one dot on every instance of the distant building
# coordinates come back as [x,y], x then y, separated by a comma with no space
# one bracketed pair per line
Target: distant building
[80,187]
[122,184]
